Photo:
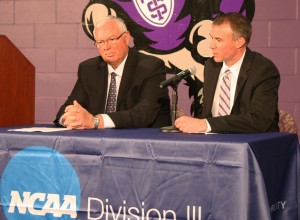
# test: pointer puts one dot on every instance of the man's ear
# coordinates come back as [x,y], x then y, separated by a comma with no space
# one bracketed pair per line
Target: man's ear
[127,37]
[240,42]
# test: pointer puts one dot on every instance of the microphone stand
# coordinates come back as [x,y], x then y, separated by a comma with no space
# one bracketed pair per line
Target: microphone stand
[172,128]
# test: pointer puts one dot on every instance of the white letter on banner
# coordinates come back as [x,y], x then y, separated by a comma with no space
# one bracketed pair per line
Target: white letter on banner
[89,208]
[17,201]
[67,208]
[166,212]
[194,212]
[53,204]
[282,204]
[134,215]
[153,210]
[31,206]
[113,213]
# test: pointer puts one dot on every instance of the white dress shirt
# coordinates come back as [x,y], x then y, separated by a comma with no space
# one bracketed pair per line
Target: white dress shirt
[108,123]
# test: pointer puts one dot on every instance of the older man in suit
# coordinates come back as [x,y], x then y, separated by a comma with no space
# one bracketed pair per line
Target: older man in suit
[240,92]
[119,89]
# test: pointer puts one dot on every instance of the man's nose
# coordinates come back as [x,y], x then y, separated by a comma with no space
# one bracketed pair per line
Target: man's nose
[106,45]
[212,44]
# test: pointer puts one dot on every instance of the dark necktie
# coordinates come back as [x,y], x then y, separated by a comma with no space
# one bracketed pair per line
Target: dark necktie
[224,96]
[112,94]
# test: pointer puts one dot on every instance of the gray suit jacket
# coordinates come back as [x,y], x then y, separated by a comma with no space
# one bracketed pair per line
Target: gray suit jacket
[255,107]
[140,103]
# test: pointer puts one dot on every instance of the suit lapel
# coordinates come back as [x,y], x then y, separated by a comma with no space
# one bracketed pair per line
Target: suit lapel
[101,85]
[127,76]
[243,75]
[212,85]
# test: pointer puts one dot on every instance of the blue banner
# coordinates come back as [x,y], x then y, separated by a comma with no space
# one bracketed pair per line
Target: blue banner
[143,174]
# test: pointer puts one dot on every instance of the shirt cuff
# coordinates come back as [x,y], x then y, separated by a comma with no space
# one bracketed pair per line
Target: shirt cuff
[208,127]
[60,121]
[108,123]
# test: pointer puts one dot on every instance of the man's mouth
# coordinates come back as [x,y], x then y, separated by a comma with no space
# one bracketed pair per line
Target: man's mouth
[109,54]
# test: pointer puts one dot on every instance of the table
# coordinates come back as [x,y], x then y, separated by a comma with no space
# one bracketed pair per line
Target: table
[147,174]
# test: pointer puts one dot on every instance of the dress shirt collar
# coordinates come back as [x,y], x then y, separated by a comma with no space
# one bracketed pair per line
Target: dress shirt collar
[235,68]
[120,68]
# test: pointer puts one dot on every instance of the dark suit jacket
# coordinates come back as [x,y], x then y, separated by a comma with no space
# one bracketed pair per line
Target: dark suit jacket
[255,107]
[140,103]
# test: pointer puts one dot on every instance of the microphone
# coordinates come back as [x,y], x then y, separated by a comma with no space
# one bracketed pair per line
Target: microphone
[178,77]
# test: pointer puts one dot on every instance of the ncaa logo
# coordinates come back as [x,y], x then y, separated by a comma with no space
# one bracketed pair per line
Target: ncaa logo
[155,12]
[40,183]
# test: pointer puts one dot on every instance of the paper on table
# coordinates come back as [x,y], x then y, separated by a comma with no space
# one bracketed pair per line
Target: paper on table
[201,132]
[39,129]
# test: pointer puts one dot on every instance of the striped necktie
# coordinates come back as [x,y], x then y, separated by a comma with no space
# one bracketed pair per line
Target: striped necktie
[224,95]
[112,94]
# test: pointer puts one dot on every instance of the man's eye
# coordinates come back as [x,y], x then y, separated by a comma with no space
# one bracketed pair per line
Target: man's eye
[111,40]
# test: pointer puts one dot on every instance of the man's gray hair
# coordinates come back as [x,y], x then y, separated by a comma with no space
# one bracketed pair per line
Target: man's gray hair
[119,21]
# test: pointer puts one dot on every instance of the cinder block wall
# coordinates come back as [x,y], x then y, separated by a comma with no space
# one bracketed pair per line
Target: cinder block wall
[50,35]
[276,34]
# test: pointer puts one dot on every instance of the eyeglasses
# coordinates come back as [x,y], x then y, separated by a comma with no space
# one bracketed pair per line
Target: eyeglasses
[110,41]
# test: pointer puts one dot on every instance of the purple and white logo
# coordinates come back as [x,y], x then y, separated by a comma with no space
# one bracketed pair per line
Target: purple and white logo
[156,12]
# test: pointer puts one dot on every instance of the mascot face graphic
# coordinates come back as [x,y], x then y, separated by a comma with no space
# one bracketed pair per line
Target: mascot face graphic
[177,31]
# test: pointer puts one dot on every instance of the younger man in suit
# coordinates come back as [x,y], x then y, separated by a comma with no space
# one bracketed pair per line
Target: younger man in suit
[118,89]
[240,92]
